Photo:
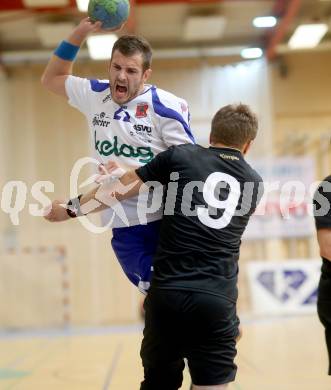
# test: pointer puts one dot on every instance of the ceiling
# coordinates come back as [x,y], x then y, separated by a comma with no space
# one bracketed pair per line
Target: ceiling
[33,25]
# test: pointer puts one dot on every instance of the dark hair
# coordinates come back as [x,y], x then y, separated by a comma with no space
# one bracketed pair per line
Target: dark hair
[129,45]
[234,125]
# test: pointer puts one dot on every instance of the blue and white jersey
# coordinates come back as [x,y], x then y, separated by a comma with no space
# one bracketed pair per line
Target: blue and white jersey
[131,134]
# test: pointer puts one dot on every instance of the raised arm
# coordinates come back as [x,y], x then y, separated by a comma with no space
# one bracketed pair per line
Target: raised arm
[60,65]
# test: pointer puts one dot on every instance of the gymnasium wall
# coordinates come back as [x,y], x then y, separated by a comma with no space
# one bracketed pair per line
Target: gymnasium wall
[302,107]
[42,137]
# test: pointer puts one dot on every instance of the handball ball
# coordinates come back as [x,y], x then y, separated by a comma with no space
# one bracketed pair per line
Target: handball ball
[112,13]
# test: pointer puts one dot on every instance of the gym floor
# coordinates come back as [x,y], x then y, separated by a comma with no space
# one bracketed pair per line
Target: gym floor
[274,354]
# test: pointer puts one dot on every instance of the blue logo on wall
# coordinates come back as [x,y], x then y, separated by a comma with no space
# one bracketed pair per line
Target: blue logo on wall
[290,281]
[311,299]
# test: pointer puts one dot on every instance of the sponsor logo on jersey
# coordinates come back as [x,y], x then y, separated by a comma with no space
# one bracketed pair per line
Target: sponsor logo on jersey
[107,98]
[141,110]
[121,115]
[101,120]
[184,107]
[229,157]
[109,147]
[143,128]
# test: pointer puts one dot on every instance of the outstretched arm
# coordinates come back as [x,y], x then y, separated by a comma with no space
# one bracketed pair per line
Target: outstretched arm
[107,194]
[99,198]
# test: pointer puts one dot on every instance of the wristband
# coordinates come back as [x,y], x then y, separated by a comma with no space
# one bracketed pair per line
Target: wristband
[73,207]
[66,51]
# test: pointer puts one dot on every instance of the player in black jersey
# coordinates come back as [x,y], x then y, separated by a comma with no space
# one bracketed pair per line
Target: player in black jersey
[210,193]
[322,202]
[191,308]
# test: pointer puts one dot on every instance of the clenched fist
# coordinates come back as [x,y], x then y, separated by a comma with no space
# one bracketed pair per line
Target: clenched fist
[57,212]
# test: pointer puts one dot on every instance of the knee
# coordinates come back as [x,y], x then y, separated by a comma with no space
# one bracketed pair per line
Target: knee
[216,387]
[168,377]
[240,334]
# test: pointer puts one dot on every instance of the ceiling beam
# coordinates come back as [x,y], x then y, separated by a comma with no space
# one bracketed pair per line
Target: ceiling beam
[14,5]
[11,5]
[131,24]
[153,2]
[292,10]
[279,8]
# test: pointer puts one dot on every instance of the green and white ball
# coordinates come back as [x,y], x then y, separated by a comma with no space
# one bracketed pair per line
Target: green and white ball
[112,13]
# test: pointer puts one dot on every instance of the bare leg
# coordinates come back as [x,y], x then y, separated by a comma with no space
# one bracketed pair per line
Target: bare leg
[216,387]
[240,334]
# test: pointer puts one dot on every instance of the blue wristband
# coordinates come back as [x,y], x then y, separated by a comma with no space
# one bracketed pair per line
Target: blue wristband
[66,51]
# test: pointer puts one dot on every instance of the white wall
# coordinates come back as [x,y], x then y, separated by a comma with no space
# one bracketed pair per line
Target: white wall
[208,88]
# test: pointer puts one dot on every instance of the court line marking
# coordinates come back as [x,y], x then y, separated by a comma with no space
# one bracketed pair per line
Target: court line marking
[70,332]
[113,366]
[19,358]
[48,353]
[9,373]
[124,329]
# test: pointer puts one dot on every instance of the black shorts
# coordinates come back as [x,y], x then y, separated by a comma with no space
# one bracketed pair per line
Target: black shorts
[324,305]
[182,324]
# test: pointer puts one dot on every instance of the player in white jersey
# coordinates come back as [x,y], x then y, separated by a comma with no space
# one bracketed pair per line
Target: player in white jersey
[130,123]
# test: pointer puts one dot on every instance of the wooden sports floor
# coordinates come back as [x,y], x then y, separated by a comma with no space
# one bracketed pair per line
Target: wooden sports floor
[278,354]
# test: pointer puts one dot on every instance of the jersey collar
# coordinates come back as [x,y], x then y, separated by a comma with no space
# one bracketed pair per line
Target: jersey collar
[228,149]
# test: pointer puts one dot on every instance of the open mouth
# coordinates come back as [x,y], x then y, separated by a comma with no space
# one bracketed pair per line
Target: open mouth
[121,89]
